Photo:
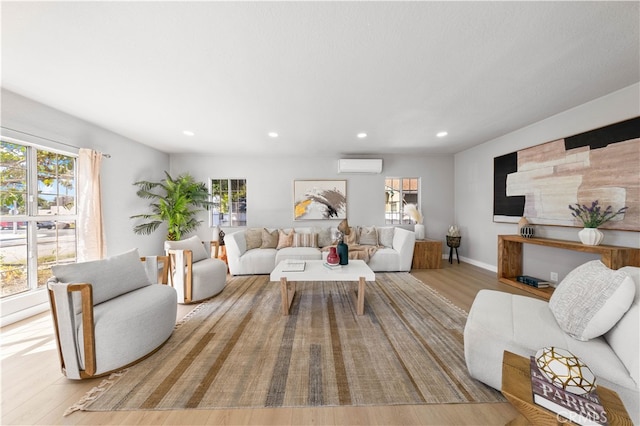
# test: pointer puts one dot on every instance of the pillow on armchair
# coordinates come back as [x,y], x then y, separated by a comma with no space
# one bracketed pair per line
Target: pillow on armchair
[108,277]
[591,300]
[192,243]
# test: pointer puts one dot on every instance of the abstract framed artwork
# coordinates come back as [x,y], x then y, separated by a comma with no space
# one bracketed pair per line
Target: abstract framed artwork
[319,199]
[541,182]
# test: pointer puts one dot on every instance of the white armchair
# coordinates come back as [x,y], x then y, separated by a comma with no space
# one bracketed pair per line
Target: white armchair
[108,314]
[194,273]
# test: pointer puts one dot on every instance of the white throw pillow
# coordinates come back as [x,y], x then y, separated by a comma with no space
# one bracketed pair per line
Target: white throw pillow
[108,277]
[591,300]
[193,243]
[385,236]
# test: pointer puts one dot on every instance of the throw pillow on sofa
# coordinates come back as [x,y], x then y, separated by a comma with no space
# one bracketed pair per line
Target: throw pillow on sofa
[253,238]
[324,236]
[368,236]
[305,240]
[269,239]
[284,239]
[591,300]
[385,236]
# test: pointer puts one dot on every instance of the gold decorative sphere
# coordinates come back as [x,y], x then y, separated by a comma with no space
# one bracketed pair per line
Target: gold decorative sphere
[565,370]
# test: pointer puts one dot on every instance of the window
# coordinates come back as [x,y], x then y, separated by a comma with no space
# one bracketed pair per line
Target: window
[37,215]
[398,192]
[229,197]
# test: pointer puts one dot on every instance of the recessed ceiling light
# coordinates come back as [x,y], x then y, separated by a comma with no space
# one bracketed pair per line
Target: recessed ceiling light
[362,135]
[188,133]
[441,134]
[273,135]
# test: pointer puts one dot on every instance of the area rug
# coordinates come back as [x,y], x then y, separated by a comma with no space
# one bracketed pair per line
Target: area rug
[237,350]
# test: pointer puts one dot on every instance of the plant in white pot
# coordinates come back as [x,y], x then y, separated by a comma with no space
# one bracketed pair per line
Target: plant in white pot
[591,218]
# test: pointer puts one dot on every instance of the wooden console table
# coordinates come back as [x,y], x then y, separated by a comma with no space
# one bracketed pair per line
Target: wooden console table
[427,254]
[510,258]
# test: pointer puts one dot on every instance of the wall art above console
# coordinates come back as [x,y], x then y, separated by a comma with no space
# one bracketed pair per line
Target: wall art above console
[540,182]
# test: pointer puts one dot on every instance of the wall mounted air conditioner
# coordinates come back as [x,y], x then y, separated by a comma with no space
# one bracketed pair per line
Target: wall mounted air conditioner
[357,165]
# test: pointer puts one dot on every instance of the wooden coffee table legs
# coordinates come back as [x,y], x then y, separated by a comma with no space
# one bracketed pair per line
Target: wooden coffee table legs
[359,302]
[288,290]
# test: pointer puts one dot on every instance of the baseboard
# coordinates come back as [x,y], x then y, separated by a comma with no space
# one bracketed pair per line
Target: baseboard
[23,314]
[482,265]
[473,262]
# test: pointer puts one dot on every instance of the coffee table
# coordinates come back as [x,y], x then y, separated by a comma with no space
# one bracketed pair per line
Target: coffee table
[356,270]
[516,387]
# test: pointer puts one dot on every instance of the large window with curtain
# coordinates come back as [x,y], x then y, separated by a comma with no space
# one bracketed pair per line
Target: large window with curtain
[38,215]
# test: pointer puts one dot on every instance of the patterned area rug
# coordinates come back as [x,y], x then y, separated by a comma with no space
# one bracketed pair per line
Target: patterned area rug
[238,350]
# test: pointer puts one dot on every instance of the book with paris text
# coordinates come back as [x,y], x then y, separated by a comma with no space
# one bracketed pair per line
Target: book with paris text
[585,409]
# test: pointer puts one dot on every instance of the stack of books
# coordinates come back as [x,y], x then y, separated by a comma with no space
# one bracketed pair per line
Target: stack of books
[585,409]
[330,266]
[533,281]
[292,265]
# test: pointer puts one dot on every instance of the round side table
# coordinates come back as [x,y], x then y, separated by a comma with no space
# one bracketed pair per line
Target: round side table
[453,243]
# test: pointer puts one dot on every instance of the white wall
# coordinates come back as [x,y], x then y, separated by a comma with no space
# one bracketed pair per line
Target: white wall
[270,187]
[129,162]
[474,187]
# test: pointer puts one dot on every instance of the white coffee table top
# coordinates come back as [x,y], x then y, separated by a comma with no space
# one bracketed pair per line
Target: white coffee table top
[315,271]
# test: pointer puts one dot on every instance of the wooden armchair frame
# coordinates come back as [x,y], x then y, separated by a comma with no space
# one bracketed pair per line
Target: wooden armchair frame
[88,324]
[185,257]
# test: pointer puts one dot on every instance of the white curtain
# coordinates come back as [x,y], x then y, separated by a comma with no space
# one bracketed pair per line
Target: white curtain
[91,243]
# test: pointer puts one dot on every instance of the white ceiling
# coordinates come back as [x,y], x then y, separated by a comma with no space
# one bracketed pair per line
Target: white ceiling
[317,73]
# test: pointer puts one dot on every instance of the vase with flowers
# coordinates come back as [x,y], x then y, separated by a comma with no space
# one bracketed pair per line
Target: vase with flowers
[591,218]
[415,215]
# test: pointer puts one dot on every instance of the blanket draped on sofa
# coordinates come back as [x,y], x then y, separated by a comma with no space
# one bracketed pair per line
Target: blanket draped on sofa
[357,251]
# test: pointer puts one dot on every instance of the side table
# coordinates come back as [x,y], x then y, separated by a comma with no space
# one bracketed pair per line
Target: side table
[427,254]
[453,243]
[516,387]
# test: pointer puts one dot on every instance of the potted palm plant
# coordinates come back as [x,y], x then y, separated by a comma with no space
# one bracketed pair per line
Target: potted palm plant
[175,202]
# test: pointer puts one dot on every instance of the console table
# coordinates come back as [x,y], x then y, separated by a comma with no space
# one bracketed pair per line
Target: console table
[510,258]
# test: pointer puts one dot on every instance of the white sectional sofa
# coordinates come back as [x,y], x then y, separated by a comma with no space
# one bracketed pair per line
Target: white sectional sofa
[598,323]
[393,252]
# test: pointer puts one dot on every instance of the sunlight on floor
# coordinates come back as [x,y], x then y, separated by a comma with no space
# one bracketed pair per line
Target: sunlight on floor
[36,336]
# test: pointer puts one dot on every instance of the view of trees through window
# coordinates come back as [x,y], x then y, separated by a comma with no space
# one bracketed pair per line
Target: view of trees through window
[399,192]
[229,197]
[37,215]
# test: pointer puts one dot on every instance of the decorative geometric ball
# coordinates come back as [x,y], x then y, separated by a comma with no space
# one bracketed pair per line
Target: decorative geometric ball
[565,370]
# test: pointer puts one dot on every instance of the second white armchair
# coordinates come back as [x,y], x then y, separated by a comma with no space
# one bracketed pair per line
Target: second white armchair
[195,274]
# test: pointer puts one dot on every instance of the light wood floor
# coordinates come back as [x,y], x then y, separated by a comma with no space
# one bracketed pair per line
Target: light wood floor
[35,392]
